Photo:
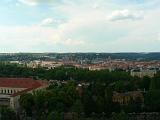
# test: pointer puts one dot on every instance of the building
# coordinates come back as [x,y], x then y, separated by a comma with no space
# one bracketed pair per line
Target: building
[141,73]
[126,98]
[12,88]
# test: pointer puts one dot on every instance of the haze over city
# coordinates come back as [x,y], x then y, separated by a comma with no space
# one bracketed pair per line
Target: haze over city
[79,25]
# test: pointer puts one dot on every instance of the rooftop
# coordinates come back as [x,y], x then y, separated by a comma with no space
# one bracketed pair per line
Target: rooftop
[19,82]
[27,83]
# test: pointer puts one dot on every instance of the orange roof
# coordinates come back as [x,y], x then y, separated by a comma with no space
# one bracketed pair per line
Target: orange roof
[19,82]
[27,83]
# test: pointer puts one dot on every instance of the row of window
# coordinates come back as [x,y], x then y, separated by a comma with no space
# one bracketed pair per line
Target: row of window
[8,91]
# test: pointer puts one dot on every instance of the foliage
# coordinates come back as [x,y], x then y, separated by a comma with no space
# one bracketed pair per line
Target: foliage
[152,101]
[7,114]
[120,116]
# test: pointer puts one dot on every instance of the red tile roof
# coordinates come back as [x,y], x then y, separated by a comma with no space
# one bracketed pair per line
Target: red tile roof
[19,82]
[27,83]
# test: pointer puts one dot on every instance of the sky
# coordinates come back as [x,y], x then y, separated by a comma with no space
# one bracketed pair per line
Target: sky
[79,26]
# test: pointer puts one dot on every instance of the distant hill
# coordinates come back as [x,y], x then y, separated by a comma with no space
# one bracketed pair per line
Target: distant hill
[77,56]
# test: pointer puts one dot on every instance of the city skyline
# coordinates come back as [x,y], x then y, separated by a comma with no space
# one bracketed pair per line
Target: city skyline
[79,26]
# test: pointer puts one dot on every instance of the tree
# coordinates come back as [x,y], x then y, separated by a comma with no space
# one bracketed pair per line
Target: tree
[7,114]
[152,85]
[78,107]
[55,116]
[120,116]
[145,83]
[27,103]
[152,101]
[119,86]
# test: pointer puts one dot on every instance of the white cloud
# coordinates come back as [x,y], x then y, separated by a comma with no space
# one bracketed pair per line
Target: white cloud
[73,42]
[34,38]
[29,2]
[140,35]
[35,2]
[124,15]
[86,28]
[25,35]
[95,6]
[47,21]
[158,37]
[50,22]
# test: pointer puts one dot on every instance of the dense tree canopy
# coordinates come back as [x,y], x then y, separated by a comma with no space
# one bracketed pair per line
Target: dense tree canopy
[7,114]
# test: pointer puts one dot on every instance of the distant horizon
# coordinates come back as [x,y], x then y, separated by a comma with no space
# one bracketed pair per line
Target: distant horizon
[74,52]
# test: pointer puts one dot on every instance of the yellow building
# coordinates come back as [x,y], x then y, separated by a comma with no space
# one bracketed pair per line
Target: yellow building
[142,73]
[125,98]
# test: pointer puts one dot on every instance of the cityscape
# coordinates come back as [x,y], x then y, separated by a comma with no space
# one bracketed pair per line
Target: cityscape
[39,85]
[79,60]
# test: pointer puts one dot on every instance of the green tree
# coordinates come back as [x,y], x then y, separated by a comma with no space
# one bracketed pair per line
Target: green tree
[145,84]
[120,116]
[152,101]
[152,85]
[27,103]
[78,107]
[7,114]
